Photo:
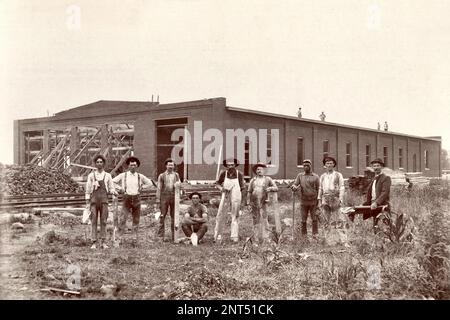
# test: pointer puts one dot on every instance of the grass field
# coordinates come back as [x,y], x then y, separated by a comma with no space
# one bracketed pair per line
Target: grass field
[372,268]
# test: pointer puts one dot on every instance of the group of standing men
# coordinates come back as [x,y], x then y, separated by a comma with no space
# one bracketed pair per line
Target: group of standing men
[131,183]
[325,193]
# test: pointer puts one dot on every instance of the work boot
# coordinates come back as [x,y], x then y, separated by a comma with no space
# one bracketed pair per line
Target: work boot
[218,240]
[304,230]
[315,228]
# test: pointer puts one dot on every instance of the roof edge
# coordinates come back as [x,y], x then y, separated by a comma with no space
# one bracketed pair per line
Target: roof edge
[277,115]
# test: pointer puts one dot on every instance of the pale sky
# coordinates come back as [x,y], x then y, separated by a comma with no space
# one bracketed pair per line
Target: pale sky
[361,62]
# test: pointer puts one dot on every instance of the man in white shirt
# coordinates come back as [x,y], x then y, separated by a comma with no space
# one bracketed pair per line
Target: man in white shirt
[331,198]
[131,183]
[98,185]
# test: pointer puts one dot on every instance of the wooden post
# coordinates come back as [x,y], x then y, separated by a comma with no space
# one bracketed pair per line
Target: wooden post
[45,142]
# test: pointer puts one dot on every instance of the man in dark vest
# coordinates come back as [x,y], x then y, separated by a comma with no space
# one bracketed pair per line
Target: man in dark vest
[378,192]
[165,196]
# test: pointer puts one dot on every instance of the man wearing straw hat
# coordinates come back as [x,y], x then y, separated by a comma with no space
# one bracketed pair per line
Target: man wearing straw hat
[257,197]
[331,198]
[131,184]
[194,223]
[231,184]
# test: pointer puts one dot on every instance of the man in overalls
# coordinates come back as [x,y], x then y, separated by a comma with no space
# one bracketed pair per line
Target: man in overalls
[257,197]
[165,196]
[331,198]
[231,184]
[131,183]
[99,184]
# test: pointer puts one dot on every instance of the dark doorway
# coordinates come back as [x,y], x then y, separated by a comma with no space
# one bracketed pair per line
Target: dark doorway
[414,168]
[164,144]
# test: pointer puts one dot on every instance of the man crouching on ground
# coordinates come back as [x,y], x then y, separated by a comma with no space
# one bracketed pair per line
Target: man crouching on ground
[194,223]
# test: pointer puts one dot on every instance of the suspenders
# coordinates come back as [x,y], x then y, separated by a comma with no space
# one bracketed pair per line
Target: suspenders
[139,183]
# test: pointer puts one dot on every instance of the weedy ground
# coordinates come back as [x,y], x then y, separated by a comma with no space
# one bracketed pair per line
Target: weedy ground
[372,268]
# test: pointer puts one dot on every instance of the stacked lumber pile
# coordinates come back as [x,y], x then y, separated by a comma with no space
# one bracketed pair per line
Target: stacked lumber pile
[29,179]
[398,178]
[418,179]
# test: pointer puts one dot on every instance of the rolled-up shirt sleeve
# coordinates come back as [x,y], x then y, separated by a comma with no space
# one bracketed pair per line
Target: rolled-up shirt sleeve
[111,186]
[273,185]
[146,181]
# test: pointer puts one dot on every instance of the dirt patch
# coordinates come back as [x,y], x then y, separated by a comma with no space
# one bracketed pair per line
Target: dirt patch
[372,268]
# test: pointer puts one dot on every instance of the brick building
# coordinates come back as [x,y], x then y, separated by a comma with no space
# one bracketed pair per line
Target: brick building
[117,129]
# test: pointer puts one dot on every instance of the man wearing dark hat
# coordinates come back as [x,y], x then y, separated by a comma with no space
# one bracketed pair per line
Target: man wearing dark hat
[307,184]
[257,196]
[165,196]
[331,198]
[230,182]
[194,223]
[98,185]
[131,183]
[379,190]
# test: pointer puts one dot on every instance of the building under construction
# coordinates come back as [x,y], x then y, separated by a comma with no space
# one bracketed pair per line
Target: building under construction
[70,139]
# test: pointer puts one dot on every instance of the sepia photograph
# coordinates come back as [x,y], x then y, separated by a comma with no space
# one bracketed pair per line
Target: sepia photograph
[207,150]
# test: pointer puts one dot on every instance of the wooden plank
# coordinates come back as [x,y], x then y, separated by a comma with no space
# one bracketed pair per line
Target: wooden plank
[56,149]
[36,157]
[85,147]
[121,162]
[77,293]
[82,166]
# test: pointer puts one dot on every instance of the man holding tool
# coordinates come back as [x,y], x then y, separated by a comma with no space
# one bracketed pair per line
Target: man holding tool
[231,184]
